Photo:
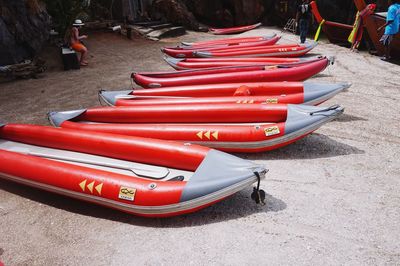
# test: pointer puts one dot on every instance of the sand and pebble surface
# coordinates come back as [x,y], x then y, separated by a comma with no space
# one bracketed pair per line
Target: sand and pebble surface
[332,198]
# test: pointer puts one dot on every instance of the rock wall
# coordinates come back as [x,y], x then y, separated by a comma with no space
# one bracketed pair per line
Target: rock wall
[24,27]
[174,11]
[227,13]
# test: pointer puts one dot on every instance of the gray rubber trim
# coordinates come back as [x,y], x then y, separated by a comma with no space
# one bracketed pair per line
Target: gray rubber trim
[310,44]
[173,62]
[319,92]
[57,118]
[299,116]
[311,58]
[187,43]
[202,54]
[267,37]
[331,60]
[219,170]
[110,97]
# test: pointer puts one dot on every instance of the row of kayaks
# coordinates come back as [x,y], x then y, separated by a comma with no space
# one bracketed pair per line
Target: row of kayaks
[160,150]
[262,47]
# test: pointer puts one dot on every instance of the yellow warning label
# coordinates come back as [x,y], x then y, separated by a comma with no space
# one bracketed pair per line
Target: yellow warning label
[270,131]
[127,193]
[272,100]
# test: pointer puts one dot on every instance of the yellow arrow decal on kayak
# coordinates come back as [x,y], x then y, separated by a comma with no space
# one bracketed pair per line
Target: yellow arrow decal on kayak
[200,135]
[99,188]
[90,187]
[215,135]
[83,185]
[207,134]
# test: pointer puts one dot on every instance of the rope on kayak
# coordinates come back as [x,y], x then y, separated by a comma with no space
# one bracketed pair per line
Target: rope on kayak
[98,95]
[331,108]
[258,194]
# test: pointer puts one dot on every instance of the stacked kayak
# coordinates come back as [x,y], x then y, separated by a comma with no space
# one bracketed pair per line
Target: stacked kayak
[220,31]
[199,63]
[258,93]
[286,50]
[231,75]
[146,177]
[181,52]
[227,89]
[266,48]
[225,41]
[227,127]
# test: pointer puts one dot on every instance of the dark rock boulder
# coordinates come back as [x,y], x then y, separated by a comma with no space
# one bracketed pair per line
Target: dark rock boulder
[24,27]
[217,13]
[226,13]
[174,11]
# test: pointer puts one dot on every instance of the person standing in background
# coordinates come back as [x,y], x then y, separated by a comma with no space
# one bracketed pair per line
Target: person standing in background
[303,18]
[391,27]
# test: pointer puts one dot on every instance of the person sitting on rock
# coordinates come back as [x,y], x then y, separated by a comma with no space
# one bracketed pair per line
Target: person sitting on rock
[391,26]
[75,41]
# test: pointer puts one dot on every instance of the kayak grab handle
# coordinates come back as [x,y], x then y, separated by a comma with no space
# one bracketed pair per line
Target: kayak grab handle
[258,194]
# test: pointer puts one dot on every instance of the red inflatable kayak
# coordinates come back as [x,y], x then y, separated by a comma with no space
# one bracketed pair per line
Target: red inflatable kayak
[186,52]
[200,63]
[311,94]
[225,69]
[146,177]
[230,89]
[205,71]
[267,51]
[220,31]
[230,127]
[298,73]
[225,41]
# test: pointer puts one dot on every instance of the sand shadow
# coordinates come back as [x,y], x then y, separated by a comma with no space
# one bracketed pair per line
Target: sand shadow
[237,206]
[349,118]
[311,147]
[394,61]
[322,75]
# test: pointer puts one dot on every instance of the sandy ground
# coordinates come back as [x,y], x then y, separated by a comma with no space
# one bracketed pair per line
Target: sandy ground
[333,197]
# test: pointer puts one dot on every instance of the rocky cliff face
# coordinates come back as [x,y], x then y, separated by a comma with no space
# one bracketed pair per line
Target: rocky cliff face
[174,11]
[227,13]
[24,27]
[220,13]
